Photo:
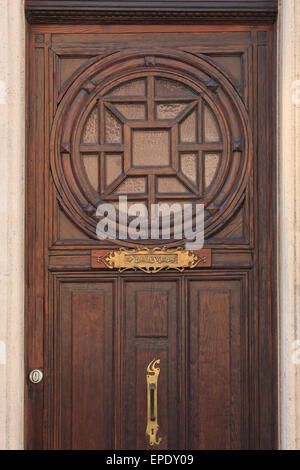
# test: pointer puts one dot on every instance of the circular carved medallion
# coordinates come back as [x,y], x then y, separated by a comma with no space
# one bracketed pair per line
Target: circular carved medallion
[165,128]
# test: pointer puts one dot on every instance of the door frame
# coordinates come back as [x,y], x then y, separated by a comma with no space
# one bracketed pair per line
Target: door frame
[36,259]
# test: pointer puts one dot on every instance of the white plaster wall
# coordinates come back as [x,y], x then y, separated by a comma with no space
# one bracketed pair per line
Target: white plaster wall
[289,221]
[12,157]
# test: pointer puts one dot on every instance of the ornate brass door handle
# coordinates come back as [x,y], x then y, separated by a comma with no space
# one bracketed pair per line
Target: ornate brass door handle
[152,382]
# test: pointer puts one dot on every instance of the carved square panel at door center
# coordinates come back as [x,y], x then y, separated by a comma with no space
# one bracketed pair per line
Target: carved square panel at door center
[152,313]
[150,147]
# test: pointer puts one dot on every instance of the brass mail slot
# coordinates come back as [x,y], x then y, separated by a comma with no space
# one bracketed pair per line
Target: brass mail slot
[151,260]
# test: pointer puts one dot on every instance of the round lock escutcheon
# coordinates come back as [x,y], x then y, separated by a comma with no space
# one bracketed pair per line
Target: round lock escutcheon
[36,376]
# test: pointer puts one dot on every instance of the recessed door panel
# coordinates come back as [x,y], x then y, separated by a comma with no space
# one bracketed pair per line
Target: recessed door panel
[83,366]
[217,345]
[152,315]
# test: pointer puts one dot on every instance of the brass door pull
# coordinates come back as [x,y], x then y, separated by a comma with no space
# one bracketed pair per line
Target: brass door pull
[152,381]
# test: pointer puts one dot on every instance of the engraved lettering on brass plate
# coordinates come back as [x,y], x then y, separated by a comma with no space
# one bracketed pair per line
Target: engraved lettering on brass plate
[151,260]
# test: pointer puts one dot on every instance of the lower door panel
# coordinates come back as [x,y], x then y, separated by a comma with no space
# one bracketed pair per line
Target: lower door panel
[152,319]
[108,331]
[216,365]
[83,375]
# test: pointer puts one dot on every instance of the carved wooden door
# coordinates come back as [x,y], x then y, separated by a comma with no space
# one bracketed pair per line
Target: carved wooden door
[158,114]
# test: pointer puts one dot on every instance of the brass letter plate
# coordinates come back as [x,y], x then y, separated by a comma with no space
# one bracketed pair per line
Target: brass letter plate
[151,260]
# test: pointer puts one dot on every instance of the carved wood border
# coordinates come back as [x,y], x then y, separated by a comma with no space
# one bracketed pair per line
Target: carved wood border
[147,12]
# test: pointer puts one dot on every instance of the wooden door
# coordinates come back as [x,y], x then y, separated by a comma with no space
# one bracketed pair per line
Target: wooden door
[170,114]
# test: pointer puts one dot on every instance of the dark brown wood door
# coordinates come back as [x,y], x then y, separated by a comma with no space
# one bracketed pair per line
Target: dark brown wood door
[165,114]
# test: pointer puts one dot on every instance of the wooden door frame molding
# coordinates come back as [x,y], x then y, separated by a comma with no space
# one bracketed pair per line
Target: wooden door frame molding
[165,12]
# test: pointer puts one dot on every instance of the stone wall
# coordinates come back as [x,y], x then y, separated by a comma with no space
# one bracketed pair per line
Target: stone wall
[12,158]
[289,220]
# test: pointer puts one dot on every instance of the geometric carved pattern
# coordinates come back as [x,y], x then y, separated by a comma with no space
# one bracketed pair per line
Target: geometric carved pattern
[157,126]
[158,129]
